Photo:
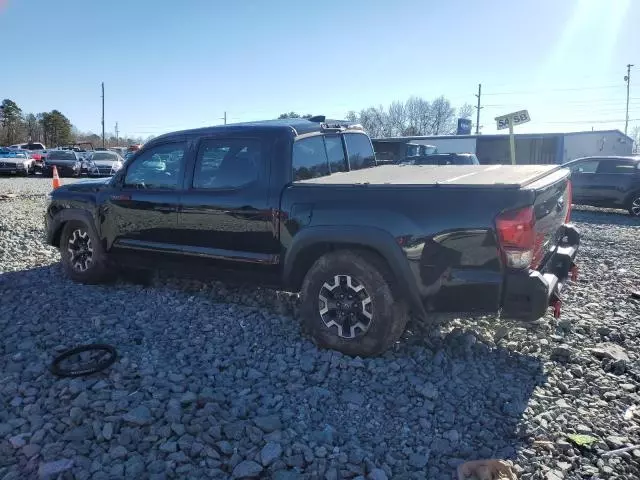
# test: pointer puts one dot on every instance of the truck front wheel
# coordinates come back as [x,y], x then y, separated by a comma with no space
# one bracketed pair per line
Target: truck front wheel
[348,304]
[82,256]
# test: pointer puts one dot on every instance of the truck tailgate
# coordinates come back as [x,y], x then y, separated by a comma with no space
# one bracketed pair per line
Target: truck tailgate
[552,209]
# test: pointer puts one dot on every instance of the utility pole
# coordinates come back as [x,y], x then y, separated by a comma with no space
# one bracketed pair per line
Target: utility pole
[478,108]
[627,79]
[224,118]
[117,136]
[102,114]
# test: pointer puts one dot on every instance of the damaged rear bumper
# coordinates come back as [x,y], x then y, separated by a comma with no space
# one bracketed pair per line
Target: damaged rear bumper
[528,294]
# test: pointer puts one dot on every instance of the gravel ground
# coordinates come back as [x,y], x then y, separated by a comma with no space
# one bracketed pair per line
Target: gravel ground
[216,381]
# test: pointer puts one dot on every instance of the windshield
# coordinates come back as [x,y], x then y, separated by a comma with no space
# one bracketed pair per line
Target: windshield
[34,146]
[61,155]
[13,154]
[104,156]
[413,150]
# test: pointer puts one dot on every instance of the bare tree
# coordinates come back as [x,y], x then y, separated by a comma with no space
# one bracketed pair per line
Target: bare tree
[635,135]
[397,118]
[465,111]
[414,117]
[352,116]
[443,117]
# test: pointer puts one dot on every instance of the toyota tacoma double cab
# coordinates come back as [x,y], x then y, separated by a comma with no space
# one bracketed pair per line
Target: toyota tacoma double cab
[300,204]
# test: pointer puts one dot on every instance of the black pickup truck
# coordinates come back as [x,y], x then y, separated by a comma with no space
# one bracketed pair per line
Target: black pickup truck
[300,205]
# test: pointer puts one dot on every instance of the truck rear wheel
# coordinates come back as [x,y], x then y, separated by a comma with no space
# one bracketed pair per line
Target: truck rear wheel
[348,304]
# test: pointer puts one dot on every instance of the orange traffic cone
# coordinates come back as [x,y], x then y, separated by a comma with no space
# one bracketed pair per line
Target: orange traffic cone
[56,178]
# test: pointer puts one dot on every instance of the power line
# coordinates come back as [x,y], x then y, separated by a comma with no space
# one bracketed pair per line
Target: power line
[592,121]
[554,90]
[596,102]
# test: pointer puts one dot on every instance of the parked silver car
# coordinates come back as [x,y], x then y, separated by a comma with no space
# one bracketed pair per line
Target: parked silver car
[103,163]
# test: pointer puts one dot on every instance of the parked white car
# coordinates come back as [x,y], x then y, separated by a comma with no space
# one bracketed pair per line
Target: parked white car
[18,162]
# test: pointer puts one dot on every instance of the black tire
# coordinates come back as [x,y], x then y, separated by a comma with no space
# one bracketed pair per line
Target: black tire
[86,369]
[89,264]
[388,312]
[633,205]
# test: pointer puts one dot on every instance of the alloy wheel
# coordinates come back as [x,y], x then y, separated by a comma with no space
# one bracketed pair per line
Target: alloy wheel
[345,306]
[635,207]
[81,250]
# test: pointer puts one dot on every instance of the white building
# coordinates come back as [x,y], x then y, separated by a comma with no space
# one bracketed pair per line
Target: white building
[532,148]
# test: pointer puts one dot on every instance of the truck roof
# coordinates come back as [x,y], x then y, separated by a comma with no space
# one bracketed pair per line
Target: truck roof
[480,176]
[297,126]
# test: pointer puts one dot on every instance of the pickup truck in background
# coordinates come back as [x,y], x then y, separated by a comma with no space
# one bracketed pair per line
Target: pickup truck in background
[394,150]
[444,159]
[294,204]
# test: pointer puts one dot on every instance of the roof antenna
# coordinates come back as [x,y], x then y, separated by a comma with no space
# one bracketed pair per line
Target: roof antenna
[318,118]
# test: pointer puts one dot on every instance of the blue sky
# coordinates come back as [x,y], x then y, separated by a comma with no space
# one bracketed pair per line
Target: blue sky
[169,65]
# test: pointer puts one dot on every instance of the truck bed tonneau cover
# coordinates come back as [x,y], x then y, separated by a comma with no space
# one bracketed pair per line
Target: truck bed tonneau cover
[479,176]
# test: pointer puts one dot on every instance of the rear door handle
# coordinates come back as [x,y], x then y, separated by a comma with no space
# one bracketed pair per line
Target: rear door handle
[165,208]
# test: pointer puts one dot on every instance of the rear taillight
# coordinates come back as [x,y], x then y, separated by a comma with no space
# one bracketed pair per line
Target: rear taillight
[517,236]
[569,201]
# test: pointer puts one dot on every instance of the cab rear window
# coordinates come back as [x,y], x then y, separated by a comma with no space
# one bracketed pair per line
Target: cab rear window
[323,155]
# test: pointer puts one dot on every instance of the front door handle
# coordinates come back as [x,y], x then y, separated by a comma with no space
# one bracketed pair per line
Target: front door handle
[120,197]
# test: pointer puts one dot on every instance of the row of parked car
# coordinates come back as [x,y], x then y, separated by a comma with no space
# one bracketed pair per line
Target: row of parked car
[70,160]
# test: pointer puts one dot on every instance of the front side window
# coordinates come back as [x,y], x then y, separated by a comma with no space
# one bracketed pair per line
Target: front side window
[588,166]
[310,158]
[159,167]
[228,163]
[359,150]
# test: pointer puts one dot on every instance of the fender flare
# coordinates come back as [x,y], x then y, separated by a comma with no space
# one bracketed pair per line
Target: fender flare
[359,236]
[68,215]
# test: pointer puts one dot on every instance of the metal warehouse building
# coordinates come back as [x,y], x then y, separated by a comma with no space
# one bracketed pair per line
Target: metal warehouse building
[531,148]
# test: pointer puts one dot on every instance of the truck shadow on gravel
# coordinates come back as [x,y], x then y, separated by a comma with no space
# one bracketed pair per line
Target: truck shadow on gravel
[243,373]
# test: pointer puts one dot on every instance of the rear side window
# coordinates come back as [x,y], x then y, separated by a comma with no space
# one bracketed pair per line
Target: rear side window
[310,158]
[616,166]
[359,150]
[335,154]
[228,163]
[589,166]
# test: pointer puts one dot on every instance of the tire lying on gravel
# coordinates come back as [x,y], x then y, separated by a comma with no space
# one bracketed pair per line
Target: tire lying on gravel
[82,256]
[349,303]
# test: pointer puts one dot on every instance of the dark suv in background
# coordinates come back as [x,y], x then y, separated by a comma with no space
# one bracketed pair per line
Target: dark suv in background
[608,182]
